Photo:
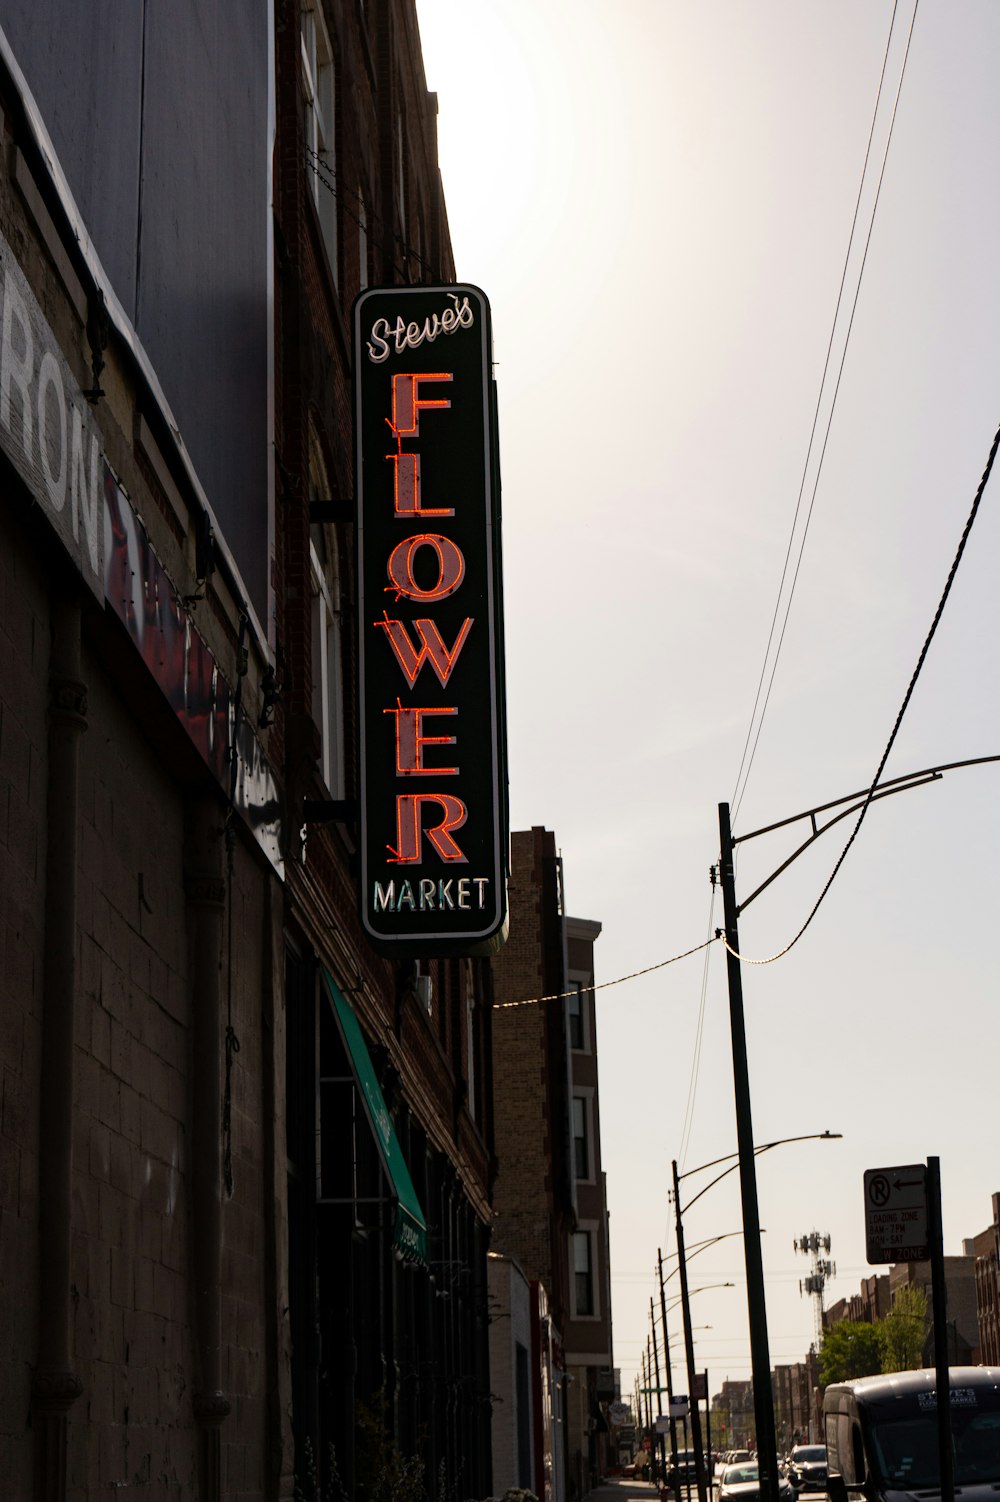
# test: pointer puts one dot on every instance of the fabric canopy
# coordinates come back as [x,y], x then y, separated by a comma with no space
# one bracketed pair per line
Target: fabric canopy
[410,1235]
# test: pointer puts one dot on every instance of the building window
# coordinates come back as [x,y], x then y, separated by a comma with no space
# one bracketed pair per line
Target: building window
[400,175]
[583,1269]
[581,1138]
[327,644]
[574,1008]
[319,99]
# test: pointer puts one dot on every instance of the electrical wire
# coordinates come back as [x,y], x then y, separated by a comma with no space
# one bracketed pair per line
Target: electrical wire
[532,1001]
[699,1034]
[899,720]
[738,791]
[327,177]
[719,933]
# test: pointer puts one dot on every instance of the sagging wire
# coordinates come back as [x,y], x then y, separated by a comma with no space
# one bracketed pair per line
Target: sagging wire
[720,934]
[533,1001]
[739,790]
[699,1035]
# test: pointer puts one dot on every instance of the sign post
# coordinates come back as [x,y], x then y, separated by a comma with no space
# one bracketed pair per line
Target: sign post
[896,1214]
[903,1224]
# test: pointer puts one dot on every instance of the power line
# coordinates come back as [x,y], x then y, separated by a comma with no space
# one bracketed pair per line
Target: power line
[899,719]
[738,792]
[327,177]
[699,1034]
[532,1001]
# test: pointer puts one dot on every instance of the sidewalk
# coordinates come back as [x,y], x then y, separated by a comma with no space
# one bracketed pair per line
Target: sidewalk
[617,1489]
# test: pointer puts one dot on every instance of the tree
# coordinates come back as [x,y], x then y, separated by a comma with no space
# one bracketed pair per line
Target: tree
[903,1330]
[851,1348]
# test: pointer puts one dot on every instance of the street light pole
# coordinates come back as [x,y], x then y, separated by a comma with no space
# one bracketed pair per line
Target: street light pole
[760,1358]
[659,1390]
[699,1458]
[667,1364]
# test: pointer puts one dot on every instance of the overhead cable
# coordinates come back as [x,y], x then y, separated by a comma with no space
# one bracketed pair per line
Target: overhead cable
[895,729]
[533,1001]
[739,790]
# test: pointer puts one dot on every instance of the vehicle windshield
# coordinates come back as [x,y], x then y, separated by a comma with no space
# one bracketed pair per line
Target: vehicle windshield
[809,1452]
[906,1448]
[734,1474]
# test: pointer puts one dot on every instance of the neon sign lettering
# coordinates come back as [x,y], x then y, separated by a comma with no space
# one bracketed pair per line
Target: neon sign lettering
[431,772]
[402,335]
[405,423]
[431,896]
[410,742]
[451,567]
[432,647]
[409,820]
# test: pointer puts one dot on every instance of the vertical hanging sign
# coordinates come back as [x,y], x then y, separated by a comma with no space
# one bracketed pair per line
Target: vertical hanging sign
[432,762]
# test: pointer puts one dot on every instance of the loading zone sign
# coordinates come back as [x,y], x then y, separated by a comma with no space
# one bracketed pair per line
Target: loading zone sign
[896,1214]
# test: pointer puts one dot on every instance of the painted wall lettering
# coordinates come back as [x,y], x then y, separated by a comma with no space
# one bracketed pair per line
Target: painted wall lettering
[47,429]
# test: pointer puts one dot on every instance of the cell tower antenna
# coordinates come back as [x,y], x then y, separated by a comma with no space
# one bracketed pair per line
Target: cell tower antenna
[821,1270]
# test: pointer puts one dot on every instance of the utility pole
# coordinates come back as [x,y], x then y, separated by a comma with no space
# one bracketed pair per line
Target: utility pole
[645,1383]
[939,1293]
[760,1358]
[670,1380]
[659,1406]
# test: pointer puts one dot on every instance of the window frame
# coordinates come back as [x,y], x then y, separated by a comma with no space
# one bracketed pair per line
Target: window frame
[319,109]
[585,1235]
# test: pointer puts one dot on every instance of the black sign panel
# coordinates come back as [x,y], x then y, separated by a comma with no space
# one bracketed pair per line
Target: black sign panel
[432,760]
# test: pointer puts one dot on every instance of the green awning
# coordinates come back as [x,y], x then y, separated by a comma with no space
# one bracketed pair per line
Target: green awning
[410,1236]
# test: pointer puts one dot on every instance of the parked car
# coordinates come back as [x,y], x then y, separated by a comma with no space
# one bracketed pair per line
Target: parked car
[685,1471]
[807,1468]
[741,1483]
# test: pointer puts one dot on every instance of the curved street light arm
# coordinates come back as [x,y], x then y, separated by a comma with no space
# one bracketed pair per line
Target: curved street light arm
[855,801]
[764,1147]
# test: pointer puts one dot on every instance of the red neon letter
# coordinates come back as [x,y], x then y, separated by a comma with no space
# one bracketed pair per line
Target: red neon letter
[410,742]
[406,488]
[451,567]
[407,404]
[432,647]
[408,806]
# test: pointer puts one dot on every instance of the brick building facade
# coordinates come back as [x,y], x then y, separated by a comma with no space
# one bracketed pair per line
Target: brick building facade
[550,1202]
[215,1281]
[986,1249]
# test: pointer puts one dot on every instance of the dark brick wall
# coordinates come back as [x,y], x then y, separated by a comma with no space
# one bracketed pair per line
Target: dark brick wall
[23,673]
[533,1213]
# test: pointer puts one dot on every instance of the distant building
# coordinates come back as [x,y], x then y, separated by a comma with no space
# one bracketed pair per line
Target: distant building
[549,1201]
[796,1402]
[960,1290]
[986,1249]
[588,1329]
[733,1423]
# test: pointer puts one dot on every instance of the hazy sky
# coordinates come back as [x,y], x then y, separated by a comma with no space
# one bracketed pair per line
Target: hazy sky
[658,197]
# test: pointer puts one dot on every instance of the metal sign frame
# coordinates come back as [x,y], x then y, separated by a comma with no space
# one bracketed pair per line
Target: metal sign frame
[433,862]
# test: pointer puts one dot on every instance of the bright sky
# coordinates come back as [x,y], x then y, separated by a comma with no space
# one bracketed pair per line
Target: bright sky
[657,196]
